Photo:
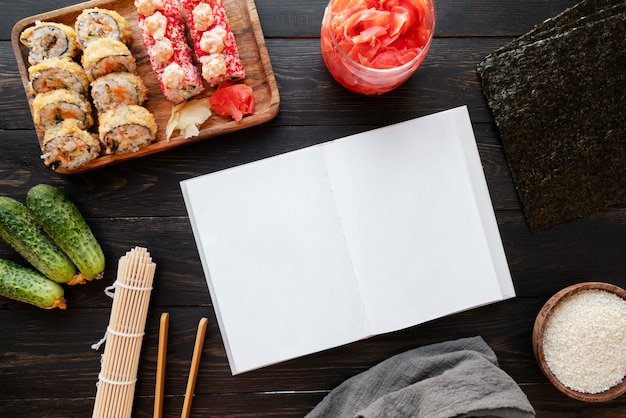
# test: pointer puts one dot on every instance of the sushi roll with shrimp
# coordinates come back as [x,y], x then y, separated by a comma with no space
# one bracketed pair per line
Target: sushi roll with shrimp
[96,23]
[68,147]
[213,40]
[50,40]
[55,106]
[117,89]
[163,31]
[105,56]
[57,73]
[126,129]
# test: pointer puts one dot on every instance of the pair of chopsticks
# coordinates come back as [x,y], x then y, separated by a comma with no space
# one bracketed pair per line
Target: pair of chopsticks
[193,371]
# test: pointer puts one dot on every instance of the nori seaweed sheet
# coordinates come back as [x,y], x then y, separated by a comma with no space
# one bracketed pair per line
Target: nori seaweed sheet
[559,104]
[568,19]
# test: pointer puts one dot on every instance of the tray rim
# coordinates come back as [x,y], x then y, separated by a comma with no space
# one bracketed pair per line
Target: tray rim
[228,126]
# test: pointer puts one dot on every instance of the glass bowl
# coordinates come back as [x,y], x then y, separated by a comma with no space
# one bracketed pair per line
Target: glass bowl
[369,57]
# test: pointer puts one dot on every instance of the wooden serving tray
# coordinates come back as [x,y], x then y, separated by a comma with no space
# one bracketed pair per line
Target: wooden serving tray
[244,22]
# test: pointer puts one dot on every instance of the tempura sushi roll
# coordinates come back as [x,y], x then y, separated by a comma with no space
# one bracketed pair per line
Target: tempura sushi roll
[117,89]
[126,129]
[67,146]
[213,40]
[96,23]
[55,106]
[105,56]
[57,73]
[163,30]
[50,40]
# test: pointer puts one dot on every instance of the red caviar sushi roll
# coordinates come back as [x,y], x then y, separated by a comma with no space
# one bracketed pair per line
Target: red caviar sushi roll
[213,40]
[163,31]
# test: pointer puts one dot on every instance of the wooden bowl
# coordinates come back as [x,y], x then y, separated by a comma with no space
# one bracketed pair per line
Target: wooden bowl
[537,341]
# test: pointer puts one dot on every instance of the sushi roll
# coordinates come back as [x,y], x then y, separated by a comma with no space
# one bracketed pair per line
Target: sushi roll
[67,146]
[50,40]
[180,82]
[117,89]
[57,73]
[166,7]
[163,31]
[55,106]
[126,129]
[213,40]
[105,56]
[95,23]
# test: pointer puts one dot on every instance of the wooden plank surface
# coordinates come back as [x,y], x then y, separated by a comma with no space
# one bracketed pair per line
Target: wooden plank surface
[47,367]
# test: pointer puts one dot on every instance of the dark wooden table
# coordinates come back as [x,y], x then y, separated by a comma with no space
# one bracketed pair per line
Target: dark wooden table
[47,368]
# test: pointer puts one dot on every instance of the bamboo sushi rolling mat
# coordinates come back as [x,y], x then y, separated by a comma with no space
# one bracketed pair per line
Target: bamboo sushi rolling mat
[124,336]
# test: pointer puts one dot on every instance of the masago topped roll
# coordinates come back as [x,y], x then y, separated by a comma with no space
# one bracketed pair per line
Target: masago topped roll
[163,31]
[213,40]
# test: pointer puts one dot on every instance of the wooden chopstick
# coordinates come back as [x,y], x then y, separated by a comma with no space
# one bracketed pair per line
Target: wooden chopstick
[195,364]
[160,371]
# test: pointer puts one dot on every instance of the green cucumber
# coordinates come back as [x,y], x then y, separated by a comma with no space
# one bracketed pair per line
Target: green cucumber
[63,222]
[21,231]
[27,285]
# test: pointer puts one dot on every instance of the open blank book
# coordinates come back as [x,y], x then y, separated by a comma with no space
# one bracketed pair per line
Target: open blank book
[333,243]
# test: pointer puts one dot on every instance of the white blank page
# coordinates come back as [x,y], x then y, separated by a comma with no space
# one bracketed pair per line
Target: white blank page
[275,259]
[412,222]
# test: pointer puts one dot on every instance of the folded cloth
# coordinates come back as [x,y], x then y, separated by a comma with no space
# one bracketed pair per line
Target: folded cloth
[459,379]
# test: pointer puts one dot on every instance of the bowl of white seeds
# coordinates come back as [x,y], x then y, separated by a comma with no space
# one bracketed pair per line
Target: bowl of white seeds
[579,341]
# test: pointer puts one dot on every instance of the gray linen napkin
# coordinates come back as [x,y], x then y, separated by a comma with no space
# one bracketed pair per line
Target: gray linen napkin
[459,379]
